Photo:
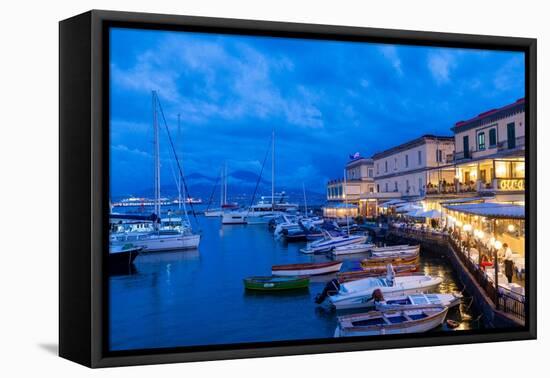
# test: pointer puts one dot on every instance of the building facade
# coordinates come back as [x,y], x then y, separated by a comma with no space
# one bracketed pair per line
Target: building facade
[413,168]
[360,180]
[490,153]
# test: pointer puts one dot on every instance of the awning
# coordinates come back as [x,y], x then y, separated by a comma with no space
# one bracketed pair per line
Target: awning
[341,206]
[490,210]
[429,214]
[391,203]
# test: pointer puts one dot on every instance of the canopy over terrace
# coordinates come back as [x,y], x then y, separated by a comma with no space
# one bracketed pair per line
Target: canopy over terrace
[491,226]
[490,210]
[340,210]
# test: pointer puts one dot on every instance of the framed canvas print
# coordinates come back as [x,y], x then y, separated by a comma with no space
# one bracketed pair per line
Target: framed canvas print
[233,188]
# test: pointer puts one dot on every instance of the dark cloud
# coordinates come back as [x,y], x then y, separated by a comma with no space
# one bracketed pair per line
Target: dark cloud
[323,99]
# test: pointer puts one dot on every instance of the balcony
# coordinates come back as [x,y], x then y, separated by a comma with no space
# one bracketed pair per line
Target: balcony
[489,150]
[519,144]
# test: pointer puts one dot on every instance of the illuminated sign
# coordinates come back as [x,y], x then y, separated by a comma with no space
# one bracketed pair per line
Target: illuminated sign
[511,184]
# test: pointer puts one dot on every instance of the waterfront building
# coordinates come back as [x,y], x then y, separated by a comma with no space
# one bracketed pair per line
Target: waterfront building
[490,153]
[359,181]
[411,169]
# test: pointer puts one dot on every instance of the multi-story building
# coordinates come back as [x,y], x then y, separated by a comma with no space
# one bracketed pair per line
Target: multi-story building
[416,168]
[359,179]
[490,153]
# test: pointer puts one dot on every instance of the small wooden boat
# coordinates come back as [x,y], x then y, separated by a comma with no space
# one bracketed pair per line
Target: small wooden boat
[396,252]
[308,269]
[374,271]
[391,322]
[388,248]
[371,262]
[271,283]
[351,249]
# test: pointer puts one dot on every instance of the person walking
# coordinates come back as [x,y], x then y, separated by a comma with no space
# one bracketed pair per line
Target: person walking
[508,262]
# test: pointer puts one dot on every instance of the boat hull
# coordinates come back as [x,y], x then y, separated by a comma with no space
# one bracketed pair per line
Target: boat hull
[276,283]
[352,249]
[375,271]
[364,298]
[427,323]
[328,245]
[233,219]
[161,243]
[306,269]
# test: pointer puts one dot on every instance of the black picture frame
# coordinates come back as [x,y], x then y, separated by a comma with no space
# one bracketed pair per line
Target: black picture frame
[84,185]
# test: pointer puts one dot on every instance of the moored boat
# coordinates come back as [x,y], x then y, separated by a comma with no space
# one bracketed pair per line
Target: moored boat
[274,283]
[377,261]
[352,249]
[329,242]
[234,217]
[419,300]
[375,271]
[307,269]
[391,322]
[123,255]
[395,252]
[360,293]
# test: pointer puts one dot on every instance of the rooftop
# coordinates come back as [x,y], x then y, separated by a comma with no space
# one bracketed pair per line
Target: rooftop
[491,116]
[412,143]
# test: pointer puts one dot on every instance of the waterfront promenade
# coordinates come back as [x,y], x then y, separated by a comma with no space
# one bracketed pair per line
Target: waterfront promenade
[499,309]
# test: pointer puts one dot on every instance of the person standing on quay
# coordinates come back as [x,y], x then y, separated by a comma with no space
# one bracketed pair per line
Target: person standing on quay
[508,262]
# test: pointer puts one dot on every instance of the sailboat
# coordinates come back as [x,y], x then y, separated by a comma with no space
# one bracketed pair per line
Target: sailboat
[159,238]
[218,212]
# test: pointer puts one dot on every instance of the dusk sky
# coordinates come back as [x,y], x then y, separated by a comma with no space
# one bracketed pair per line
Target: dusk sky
[324,99]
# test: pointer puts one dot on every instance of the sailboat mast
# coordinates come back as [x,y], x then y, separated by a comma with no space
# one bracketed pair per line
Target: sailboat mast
[156,147]
[179,176]
[225,184]
[273,170]
[346,197]
[305,199]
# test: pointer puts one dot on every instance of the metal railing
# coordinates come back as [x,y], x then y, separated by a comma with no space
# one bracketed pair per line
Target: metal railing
[508,303]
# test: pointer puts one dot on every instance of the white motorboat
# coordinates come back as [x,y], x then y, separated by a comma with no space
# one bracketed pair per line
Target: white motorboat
[329,242]
[234,217]
[214,213]
[352,248]
[360,293]
[419,300]
[391,322]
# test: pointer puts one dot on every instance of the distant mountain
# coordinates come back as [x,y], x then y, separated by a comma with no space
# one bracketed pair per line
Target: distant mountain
[240,187]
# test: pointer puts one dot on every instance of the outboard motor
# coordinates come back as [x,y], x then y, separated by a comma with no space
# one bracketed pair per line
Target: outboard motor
[331,288]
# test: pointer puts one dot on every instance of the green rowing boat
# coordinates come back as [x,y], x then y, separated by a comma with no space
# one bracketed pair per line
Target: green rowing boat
[272,283]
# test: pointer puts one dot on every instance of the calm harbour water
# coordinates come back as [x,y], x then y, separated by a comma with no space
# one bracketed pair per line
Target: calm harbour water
[194,298]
